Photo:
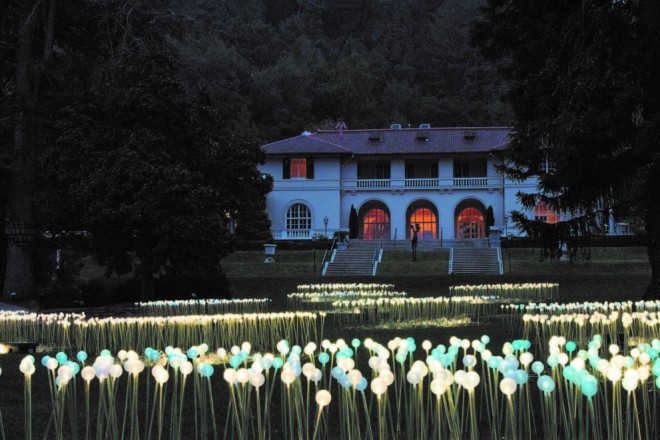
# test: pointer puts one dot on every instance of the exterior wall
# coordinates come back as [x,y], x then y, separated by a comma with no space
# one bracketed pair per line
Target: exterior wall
[511,202]
[335,188]
[320,194]
[399,201]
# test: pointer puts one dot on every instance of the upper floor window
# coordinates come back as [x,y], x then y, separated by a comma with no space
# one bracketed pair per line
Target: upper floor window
[470,168]
[373,170]
[422,169]
[546,214]
[298,168]
[547,166]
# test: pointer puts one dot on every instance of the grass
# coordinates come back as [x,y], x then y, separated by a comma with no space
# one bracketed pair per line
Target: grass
[246,264]
[612,274]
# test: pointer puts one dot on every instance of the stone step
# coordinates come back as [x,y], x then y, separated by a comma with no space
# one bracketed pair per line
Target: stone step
[475,261]
[356,260]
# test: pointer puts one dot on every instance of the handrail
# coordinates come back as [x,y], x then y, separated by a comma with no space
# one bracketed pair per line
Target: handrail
[451,259]
[374,260]
[325,254]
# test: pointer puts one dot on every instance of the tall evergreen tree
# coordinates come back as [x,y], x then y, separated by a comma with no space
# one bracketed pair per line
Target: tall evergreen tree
[583,85]
[353,224]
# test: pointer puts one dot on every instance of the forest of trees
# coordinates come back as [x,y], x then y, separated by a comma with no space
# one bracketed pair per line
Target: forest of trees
[132,127]
[284,66]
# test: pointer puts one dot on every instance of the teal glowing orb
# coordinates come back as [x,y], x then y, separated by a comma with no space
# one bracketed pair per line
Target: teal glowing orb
[546,384]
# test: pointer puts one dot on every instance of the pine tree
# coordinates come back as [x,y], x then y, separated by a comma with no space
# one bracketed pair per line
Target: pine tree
[353,224]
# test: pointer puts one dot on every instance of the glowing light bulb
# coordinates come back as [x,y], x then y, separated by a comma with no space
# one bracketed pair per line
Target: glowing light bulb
[88,373]
[378,386]
[323,398]
[508,386]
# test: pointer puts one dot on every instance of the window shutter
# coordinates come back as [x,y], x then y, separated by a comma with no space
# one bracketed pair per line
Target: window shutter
[286,168]
[310,167]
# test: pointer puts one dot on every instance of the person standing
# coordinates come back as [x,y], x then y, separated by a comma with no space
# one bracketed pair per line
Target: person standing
[415,230]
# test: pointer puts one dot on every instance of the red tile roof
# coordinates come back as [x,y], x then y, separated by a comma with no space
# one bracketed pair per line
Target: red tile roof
[394,141]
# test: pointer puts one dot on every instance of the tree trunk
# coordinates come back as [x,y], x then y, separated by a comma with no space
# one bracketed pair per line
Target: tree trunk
[19,224]
[50,31]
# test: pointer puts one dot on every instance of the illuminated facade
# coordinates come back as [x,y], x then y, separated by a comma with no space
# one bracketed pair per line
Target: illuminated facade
[443,179]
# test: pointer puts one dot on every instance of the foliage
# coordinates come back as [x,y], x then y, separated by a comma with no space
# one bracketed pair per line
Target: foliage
[136,87]
[281,69]
[145,183]
[489,220]
[583,85]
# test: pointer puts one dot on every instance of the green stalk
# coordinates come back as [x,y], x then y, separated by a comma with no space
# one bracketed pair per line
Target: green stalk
[27,398]
[87,410]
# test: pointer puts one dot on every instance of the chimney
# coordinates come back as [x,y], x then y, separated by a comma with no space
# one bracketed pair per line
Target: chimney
[341,125]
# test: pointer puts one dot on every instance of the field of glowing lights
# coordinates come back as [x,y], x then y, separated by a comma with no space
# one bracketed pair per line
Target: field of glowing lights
[340,362]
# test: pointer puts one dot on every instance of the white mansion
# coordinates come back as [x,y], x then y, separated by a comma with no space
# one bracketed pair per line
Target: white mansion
[443,179]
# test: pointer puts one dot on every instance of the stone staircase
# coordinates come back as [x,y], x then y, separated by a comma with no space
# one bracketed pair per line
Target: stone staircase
[432,245]
[356,260]
[475,260]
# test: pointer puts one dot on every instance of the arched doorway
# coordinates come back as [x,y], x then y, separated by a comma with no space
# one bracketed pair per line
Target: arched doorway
[424,214]
[374,221]
[470,222]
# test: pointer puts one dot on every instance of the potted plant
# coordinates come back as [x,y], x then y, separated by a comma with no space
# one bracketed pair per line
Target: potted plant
[342,240]
[269,247]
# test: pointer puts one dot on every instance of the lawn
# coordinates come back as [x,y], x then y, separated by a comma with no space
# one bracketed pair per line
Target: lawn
[611,274]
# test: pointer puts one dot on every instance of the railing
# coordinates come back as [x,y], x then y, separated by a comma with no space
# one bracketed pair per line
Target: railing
[374,260]
[421,184]
[623,229]
[451,259]
[373,183]
[295,234]
[324,263]
[499,260]
[470,182]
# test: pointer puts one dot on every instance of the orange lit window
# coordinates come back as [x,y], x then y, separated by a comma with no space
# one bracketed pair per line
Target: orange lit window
[428,224]
[375,225]
[470,223]
[298,168]
[546,214]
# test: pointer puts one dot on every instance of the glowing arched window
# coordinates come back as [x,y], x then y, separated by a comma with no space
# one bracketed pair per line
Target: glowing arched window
[546,214]
[470,223]
[298,217]
[428,224]
[375,225]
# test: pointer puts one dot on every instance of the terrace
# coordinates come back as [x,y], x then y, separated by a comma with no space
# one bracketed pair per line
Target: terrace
[441,183]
